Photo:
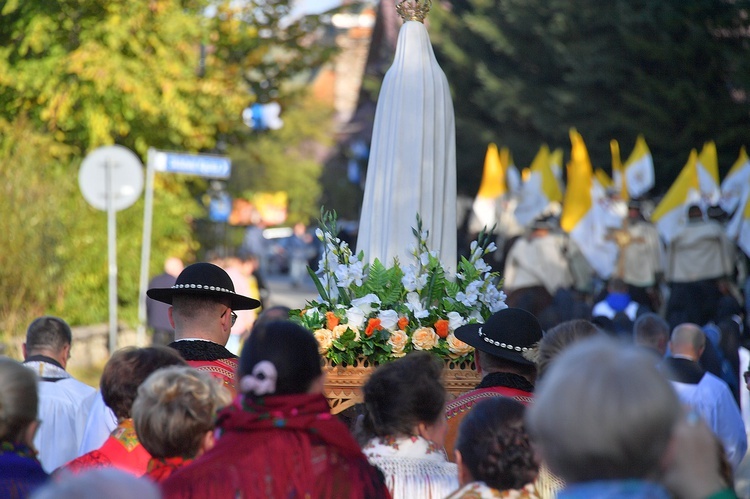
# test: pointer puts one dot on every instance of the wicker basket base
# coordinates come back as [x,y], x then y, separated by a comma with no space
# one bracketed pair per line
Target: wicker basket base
[343,384]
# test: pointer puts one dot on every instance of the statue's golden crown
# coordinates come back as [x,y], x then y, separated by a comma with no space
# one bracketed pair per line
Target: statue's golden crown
[413,10]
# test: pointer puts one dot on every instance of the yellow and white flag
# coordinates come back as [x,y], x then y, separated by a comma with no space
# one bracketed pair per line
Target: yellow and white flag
[583,217]
[618,176]
[736,183]
[708,175]
[492,187]
[539,189]
[670,214]
[735,193]
[512,176]
[639,169]
[743,239]
[556,165]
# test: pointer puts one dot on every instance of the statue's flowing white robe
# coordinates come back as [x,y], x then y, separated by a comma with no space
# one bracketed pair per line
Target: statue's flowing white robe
[412,165]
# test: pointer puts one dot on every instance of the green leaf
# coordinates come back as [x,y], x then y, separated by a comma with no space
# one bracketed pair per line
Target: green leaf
[318,285]
[10,7]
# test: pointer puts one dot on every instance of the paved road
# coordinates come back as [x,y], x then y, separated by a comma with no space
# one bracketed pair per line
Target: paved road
[282,292]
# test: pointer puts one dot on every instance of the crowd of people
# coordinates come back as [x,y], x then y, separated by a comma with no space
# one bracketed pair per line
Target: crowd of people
[684,279]
[572,411]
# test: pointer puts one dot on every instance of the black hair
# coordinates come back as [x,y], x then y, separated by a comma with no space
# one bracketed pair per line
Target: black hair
[403,393]
[292,350]
[48,332]
[494,444]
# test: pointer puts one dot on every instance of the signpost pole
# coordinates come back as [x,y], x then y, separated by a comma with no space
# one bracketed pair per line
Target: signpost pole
[112,258]
[148,210]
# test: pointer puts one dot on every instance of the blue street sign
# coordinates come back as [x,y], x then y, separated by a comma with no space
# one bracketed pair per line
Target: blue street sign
[203,165]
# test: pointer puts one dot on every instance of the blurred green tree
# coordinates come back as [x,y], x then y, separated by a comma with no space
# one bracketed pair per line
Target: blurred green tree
[524,71]
[169,74]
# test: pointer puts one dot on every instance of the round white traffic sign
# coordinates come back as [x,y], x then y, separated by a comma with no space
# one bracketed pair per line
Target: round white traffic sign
[121,167]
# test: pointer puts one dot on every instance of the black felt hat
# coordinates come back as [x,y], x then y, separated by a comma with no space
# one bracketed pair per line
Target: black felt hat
[204,279]
[506,334]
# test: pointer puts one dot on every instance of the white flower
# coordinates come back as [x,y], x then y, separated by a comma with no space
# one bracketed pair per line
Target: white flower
[498,306]
[414,304]
[424,258]
[319,234]
[388,319]
[409,280]
[476,315]
[470,297]
[331,288]
[491,247]
[355,317]
[346,275]
[482,266]
[455,320]
[494,299]
[312,311]
[365,303]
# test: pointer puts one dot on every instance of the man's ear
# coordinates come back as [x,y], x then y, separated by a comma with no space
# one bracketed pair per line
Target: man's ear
[317,384]
[464,476]
[207,442]
[29,433]
[25,355]
[64,355]
[476,362]
[169,314]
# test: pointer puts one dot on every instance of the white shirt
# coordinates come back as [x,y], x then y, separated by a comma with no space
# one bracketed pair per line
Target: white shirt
[64,407]
[101,422]
[712,399]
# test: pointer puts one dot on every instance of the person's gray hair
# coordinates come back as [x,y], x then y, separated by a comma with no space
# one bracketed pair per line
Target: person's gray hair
[174,409]
[602,412]
[18,399]
[94,484]
[649,328]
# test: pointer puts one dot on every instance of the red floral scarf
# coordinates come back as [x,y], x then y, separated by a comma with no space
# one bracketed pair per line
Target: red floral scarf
[295,425]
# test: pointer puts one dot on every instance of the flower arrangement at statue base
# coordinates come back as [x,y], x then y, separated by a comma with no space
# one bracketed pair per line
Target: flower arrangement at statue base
[369,314]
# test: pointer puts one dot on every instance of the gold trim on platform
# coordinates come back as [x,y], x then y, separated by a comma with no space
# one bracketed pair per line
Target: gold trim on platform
[343,384]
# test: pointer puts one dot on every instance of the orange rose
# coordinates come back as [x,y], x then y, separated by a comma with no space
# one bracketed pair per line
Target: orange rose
[441,328]
[324,340]
[458,347]
[398,341]
[331,320]
[402,323]
[424,338]
[372,325]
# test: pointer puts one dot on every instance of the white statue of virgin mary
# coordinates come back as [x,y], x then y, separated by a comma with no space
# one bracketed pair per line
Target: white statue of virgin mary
[412,165]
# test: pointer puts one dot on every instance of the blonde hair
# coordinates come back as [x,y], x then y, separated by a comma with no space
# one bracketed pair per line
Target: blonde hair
[18,399]
[174,409]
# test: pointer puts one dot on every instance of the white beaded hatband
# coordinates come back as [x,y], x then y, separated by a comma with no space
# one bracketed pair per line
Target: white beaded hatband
[201,286]
[500,344]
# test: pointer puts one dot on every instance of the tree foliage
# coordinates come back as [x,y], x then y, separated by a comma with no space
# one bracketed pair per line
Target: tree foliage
[169,74]
[524,71]
[287,159]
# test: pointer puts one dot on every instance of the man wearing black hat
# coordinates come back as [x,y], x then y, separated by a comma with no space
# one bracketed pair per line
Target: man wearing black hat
[502,345]
[202,302]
